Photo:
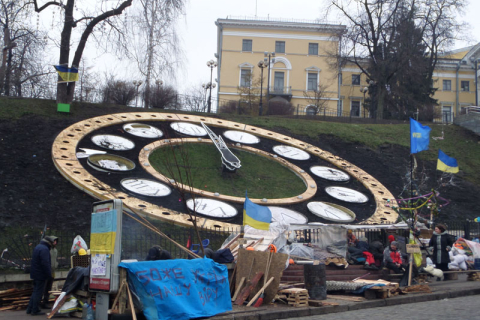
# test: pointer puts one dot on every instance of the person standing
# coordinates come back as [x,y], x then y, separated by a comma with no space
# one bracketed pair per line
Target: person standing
[40,272]
[441,243]
[54,264]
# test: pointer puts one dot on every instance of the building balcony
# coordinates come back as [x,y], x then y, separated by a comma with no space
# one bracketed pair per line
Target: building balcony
[285,92]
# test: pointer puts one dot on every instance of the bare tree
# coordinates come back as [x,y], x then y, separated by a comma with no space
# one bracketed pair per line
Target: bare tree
[161,96]
[16,31]
[250,96]
[65,91]
[119,92]
[195,99]
[370,42]
[152,39]
[317,98]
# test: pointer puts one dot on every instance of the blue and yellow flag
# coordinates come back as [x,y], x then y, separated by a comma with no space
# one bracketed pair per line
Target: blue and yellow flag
[419,136]
[67,74]
[256,216]
[446,163]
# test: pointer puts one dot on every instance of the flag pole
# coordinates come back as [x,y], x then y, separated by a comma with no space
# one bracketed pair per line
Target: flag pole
[411,186]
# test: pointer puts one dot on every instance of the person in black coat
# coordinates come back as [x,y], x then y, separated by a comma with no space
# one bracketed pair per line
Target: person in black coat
[441,243]
[40,273]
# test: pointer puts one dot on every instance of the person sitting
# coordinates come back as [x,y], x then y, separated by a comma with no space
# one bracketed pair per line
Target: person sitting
[362,245]
[376,249]
[158,253]
[351,238]
[392,258]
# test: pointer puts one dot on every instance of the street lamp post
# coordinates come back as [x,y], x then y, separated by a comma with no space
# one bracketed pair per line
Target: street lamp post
[364,90]
[270,56]
[208,86]
[157,93]
[137,84]
[211,64]
[262,64]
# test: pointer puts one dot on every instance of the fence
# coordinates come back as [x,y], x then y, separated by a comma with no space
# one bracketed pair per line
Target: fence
[17,245]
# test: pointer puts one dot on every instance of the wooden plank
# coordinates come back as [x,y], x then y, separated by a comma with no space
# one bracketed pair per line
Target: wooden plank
[232,241]
[346,298]
[294,290]
[59,305]
[122,302]
[248,289]
[237,291]
[260,292]
[132,307]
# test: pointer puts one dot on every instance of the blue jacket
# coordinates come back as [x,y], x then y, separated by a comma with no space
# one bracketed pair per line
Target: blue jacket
[41,268]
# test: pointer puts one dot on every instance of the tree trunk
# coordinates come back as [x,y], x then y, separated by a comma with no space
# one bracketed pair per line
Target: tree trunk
[65,90]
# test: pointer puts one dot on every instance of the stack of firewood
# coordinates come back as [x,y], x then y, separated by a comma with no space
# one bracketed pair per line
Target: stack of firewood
[14,299]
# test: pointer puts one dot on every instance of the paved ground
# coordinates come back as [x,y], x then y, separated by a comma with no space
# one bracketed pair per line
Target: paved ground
[448,300]
[457,308]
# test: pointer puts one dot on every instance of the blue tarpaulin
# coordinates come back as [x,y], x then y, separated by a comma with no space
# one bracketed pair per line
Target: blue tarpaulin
[180,289]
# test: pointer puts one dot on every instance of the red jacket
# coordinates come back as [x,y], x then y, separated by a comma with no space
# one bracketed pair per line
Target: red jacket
[396,258]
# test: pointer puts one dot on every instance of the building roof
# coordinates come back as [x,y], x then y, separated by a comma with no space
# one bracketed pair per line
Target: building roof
[280,24]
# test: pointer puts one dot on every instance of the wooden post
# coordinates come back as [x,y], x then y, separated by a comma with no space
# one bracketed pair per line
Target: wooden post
[410,270]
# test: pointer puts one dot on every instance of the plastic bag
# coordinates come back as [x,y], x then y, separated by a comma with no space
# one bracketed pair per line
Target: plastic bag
[78,243]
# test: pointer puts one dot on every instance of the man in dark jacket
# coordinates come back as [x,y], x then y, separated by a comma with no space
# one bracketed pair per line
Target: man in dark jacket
[40,272]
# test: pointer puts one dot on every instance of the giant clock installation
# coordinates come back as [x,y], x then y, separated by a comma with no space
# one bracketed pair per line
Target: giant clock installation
[108,157]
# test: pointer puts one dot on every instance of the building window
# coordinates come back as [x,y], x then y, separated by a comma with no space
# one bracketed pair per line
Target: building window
[355,110]
[340,108]
[245,78]
[447,85]
[280,46]
[313,49]
[279,81]
[340,76]
[312,83]
[247,45]
[355,79]
[465,85]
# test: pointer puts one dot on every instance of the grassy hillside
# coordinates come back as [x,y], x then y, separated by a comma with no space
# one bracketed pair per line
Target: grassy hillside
[458,142]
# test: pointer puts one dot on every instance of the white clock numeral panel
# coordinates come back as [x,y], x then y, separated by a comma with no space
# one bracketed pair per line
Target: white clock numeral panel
[143,130]
[291,152]
[110,162]
[287,216]
[188,129]
[241,137]
[146,187]
[346,194]
[331,212]
[212,208]
[329,173]
[113,142]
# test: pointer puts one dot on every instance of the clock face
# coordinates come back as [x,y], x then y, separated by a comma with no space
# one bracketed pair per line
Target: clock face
[287,216]
[189,129]
[331,212]
[241,137]
[113,142]
[212,208]
[110,162]
[291,152]
[346,194]
[143,130]
[146,187]
[329,173]
[142,188]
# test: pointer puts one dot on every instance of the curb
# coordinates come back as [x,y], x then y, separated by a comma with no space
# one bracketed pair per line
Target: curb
[314,311]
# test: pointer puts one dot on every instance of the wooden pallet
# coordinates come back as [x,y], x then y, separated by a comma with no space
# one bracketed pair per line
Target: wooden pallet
[295,297]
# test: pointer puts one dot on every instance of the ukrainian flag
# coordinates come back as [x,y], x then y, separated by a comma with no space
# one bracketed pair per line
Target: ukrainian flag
[67,74]
[446,163]
[256,216]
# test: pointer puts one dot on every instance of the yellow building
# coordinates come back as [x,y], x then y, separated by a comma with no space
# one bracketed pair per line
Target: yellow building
[300,64]
[298,54]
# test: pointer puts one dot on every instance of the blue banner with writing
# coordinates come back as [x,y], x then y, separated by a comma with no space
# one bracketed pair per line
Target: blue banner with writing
[180,289]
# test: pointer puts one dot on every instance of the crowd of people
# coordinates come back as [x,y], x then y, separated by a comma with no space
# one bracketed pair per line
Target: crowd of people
[375,255]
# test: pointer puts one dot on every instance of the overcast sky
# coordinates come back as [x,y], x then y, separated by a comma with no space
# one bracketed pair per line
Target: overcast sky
[199,33]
